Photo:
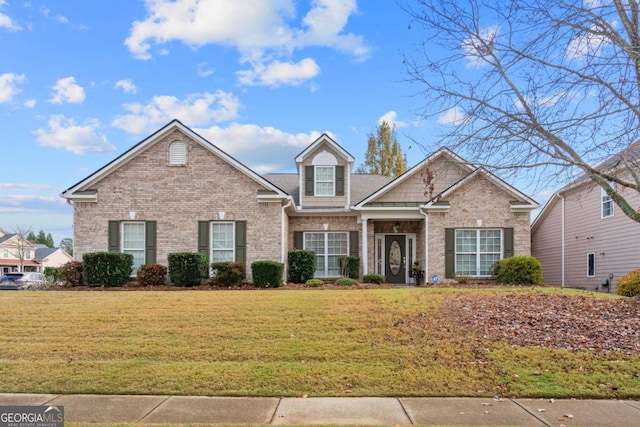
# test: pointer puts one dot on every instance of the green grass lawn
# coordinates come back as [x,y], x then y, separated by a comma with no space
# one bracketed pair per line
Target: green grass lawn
[380,342]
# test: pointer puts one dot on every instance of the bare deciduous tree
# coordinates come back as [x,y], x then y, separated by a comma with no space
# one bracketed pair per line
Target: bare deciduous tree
[21,244]
[548,87]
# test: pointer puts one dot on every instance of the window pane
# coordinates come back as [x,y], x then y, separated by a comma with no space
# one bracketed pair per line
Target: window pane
[324,181]
[138,259]
[222,242]
[333,267]
[466,241]
[329,247]
[133,242]
[466,264]
[490,241]
[486,261]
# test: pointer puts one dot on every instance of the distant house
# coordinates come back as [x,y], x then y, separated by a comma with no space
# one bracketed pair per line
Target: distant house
[12,246]
[582,238]
[51,257]
[175,191]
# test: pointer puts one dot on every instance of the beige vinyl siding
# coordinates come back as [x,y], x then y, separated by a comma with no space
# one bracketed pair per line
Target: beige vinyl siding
[546,244]
[309,202]
[615,241]
[412,189]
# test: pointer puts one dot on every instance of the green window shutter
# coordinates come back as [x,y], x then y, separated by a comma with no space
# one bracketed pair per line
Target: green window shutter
[241,242]
[308,181]
[339,180]
[203,238]
[114,236]
[297,240]
[353,243]
[150,242]
[449,253]
[508,242]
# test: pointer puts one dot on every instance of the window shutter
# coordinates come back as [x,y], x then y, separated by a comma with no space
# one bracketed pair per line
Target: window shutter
[203,238]
[241,242]
[114,236]
[508,242]
[150,242]
[297,240]
[449,253]
[353,243]
[308,181]
[339,180]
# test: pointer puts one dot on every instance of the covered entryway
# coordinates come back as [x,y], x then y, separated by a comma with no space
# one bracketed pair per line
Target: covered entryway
[396,258]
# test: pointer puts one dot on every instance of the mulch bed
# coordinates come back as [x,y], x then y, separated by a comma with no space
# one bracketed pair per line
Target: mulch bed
[574,323]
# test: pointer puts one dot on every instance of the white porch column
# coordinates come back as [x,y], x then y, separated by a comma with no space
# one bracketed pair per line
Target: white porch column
[365,247]
[426,246]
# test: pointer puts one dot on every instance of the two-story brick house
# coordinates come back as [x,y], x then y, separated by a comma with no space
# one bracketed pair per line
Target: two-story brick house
[175,191]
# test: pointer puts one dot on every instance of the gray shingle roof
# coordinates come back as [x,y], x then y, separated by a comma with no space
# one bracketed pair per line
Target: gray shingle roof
[362,185]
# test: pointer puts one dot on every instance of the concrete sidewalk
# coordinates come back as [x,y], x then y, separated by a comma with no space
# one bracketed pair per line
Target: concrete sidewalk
[327,410]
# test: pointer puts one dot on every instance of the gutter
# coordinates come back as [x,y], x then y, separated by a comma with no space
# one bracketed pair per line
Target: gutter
[284,235]
[562,241]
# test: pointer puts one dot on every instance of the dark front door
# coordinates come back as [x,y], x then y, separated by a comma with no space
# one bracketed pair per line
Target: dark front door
[394,246]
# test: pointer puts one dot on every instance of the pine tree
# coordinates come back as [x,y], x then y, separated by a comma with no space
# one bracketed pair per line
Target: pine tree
[384,155]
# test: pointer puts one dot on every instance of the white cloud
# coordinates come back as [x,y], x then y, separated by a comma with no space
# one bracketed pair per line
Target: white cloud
[6,21]
[587,43]
[30,103]
[67,90]
[263,30]
[79,139]
[477,47]
[277,73]
[9,86]
[391,117]
[453,116]
[126,85]
[195,110]
[263,149]
[204,70]
[47,14]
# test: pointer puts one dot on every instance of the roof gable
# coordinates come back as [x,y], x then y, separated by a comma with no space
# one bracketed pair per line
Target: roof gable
[81,190]
[324,139]
[416,169]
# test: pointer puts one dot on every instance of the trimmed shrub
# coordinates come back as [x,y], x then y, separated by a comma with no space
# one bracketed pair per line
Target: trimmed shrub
[151,275]
[107,268]
[185,268]
[71,274]
[52,274]
[314,283]
[518,270]
[346,281]
[227,273]
[204,266]
[629,284]
[267,274]
[350,266]
[302,265]
[377,279]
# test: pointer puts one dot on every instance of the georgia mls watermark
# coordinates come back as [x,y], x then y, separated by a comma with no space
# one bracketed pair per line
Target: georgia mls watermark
[31,416]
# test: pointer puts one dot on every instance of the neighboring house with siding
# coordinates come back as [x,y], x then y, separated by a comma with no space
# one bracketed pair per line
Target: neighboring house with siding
[175,191]
[582,238]
[51,257]
[16,253]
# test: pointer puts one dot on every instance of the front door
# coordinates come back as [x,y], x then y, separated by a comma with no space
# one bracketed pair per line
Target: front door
[394,246]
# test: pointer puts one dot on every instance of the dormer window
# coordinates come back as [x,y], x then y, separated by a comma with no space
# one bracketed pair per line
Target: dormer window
[325,177]
[324,181]
[178,153]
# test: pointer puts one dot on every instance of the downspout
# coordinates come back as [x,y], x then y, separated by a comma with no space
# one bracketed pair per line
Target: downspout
[562,240]
[426,246]
[284,235]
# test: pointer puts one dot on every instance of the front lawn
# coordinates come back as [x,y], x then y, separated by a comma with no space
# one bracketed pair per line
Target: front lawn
[377,342]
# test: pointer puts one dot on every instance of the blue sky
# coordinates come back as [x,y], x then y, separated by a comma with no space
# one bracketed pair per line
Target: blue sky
[82,81]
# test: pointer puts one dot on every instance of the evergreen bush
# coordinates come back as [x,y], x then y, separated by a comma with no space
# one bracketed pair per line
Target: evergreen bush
[151,274]
[302,265]
[346,281]
[185,268]
[377,279]
[227,273]
[314,283]
[267,274]
[518,270]
[106,268]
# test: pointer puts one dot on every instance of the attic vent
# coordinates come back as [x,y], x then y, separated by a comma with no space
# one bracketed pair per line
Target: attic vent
[178,153]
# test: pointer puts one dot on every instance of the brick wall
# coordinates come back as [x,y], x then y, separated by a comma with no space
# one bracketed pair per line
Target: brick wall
[177,197]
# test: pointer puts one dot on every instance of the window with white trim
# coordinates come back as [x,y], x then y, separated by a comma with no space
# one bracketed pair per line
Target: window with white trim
[607,204]
[133,242]
[5,253]
[477,250]
[27,254]
[329,247]
[178,153]
[591,265]
[325,182]
[223,241]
